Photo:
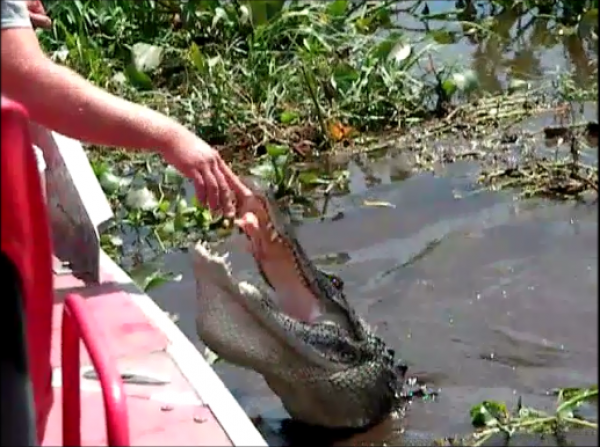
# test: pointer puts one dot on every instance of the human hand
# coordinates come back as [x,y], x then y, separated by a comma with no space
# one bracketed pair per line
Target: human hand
[37,14]
[215,184]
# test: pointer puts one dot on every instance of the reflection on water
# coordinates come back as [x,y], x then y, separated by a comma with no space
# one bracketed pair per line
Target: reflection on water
[503,43]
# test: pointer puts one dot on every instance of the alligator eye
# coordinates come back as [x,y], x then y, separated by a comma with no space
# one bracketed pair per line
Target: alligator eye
[336,281]
[338,284]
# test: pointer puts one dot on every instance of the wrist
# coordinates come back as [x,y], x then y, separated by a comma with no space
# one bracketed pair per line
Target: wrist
[171,136]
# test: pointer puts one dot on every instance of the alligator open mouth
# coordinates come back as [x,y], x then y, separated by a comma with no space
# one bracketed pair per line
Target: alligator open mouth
[322,360]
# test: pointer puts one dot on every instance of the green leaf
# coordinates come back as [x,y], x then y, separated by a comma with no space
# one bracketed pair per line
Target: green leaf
[265,10]
[137,78]
[164,205]
[464,82]
[277,150]
[383,49]
[183,207]
[443,37]
[311,178]
[112,240]
[244,14]
[220,14]
[344,76]
[197,58]
[213,61]
[158,279]
[288,117]
[167,229]
[449,87]
[112,183]
[337,7]
[171,175]
[571,398]
[204,217]
[488,413]
[280,160]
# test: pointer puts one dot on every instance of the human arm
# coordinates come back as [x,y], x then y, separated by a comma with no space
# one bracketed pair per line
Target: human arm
[60,99]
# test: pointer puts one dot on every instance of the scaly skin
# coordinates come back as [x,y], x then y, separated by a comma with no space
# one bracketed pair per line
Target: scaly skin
[322,360]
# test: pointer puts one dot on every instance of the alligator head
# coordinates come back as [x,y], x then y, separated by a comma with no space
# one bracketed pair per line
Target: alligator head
[316,354]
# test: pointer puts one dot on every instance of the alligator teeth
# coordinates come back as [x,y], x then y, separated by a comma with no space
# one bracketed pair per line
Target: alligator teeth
[226,261]
[274,236]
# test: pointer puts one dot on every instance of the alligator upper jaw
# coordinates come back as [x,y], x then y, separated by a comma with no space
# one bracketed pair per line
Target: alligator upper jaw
[277,266]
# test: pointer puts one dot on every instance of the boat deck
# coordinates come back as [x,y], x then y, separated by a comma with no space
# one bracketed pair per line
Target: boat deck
[175,399]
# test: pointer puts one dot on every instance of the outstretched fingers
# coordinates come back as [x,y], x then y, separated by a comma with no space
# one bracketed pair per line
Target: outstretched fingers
[220,189]
[211,188]
[241,193]
[225,193]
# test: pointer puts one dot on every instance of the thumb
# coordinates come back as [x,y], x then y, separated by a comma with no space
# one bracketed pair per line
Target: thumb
[40,20]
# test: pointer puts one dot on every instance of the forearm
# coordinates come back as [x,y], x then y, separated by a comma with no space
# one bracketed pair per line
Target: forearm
[61,100]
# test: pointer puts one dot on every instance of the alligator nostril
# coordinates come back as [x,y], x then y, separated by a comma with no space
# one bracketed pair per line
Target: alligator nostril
[401,369]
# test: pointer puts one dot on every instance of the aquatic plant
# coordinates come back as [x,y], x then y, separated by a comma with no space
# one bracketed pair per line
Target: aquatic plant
[491,418]
[275,85]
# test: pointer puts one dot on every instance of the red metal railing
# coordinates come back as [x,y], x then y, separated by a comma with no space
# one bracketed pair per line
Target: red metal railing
[26,242]
[77,324]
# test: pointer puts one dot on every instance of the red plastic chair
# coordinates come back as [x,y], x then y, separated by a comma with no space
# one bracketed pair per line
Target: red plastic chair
[26,250]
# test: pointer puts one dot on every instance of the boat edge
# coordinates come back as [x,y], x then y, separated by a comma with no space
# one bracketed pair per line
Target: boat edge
[200,375]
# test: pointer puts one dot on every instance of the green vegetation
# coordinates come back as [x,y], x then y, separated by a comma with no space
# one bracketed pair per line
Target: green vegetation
[491,418]
[277,87]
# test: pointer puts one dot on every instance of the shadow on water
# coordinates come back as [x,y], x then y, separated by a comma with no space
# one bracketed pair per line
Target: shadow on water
[483,296]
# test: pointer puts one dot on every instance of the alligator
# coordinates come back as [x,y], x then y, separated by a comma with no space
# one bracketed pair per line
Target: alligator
[321,359]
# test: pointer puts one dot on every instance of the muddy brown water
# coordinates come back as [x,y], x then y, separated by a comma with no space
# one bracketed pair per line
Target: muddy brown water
[483,296]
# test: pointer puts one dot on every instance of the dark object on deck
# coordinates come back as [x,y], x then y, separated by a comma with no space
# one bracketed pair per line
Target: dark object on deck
[18,411]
